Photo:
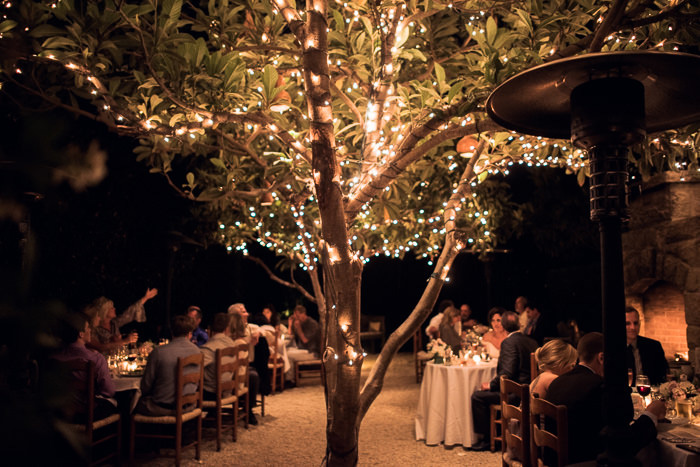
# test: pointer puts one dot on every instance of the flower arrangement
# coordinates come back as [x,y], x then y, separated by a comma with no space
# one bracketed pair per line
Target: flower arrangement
[438,348]
[472,337]
[677,391]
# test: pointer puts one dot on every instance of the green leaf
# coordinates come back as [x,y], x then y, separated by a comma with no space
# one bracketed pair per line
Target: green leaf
[269,82]
[491,30]
[439,73]
[218,163]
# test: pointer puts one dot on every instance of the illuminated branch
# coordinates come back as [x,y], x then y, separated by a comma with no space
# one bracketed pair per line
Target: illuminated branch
[389,172]
[671,11]
[612,19]
[463,189]
[382,89]
[291,15]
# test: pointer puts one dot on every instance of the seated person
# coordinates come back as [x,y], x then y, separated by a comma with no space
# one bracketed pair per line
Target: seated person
[220,339]
[644,356]
[105,335]
[538,326]
[467,321]
[306,335]
[514,364]
[493,337]
[75,334]
[433,329]
[448,329]
[581,391]
[259,353]
[554,358]
[239,335]
[269,322]
[199,336]
[158,381]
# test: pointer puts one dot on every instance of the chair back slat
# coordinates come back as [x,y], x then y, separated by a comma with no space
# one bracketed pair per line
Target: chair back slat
[182,400]
[516,441]
[534,367]
[549,429]
[241,376]
[226,367]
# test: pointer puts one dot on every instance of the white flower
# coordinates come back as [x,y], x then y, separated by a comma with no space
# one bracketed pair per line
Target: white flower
[437,347]
[675,391]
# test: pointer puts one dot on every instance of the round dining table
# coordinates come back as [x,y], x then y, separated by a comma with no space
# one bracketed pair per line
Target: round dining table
[444,405]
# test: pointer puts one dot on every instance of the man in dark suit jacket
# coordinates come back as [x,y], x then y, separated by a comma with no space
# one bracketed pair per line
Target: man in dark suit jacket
[514,364]
[581,391]
[538,327]
[644,356]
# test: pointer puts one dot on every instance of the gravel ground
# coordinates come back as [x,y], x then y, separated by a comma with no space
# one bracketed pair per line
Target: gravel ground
[292,433]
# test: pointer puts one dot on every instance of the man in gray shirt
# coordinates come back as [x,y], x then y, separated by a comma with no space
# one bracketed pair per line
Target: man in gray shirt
[158,382]
[306,335]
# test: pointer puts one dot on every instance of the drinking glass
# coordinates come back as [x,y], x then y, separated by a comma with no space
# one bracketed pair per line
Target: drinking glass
[643,387]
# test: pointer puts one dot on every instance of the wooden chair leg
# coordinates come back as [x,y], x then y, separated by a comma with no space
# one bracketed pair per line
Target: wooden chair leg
[495,418]
[274,378]
[178,443]
[235,420]
[132,442]
[218,428]
[197,452]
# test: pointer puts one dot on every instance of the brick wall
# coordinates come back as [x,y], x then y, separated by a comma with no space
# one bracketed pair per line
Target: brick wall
[664,317]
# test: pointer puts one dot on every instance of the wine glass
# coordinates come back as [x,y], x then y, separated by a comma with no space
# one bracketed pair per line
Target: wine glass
[643,386]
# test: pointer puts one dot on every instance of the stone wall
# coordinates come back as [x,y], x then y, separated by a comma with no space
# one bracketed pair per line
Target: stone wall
[663,245]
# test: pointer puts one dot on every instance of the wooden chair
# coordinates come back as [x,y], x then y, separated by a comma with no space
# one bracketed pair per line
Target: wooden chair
[94,431]
[420,357]
[534,367]
[308,369]
[226,402]
[543,435]
[496,425]
[373,329]
[515,422]
[276,364]
[242,378]
[182,401]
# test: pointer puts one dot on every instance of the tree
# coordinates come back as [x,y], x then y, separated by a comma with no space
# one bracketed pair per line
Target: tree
[327,132]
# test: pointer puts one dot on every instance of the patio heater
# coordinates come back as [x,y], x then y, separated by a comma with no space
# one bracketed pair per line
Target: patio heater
[605,102]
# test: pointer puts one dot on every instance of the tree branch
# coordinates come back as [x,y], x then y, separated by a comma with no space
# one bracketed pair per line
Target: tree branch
[279,280]
[391,171]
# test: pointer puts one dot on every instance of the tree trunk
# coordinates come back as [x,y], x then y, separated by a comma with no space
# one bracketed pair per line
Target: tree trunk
[342,361]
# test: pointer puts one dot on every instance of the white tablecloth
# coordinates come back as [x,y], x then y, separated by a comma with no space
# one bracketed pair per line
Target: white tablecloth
[663,451]
[128,383]
[445,405]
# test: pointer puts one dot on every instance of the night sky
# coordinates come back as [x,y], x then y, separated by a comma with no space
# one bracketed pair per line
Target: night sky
[132,231]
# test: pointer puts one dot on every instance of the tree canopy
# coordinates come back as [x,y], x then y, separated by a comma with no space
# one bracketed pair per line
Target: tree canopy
[332,131]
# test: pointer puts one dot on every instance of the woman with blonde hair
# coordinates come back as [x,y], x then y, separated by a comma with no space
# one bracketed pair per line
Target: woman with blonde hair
[105,323]
[554,358]
[239,334]
[448,328]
